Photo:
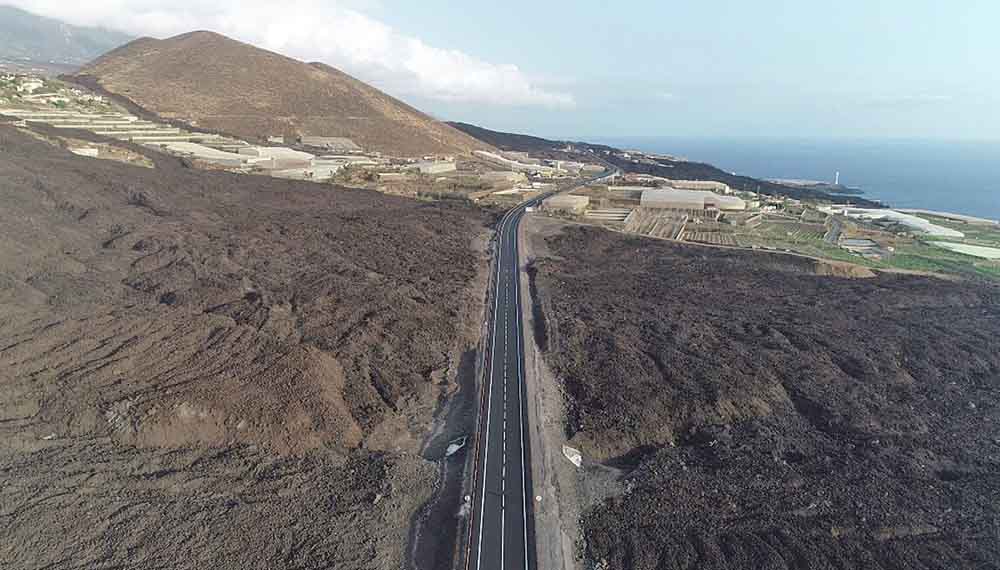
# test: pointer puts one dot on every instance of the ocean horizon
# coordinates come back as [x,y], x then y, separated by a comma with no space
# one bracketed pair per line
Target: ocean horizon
[961,177]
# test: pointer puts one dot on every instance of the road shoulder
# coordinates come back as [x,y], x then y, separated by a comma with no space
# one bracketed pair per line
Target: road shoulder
[555,480]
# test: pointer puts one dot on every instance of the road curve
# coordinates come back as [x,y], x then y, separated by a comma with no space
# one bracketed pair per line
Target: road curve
[501,536]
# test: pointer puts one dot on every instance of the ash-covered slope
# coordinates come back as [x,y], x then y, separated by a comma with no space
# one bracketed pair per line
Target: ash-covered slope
[332,309]
[199,368]
[773,415]
[220,84]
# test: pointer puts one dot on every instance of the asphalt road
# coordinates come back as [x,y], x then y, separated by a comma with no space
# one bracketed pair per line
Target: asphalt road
[502,534]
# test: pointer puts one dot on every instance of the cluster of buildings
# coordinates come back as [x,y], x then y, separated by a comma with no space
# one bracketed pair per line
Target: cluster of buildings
[657,199]
[434,167]
[686,195]
[405,170]
[210,149]
[890,219]
[29,85]
[640,157]
[34,90]
[523,163]
[643,181]
[308,157]
[504,177]
[280,162]
[687,210]
[337,145]
[682,199]
[567,203]
[25,84]
[65,107]
[110,124]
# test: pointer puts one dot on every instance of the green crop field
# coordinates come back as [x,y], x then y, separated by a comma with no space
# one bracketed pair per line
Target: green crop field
[787,232]
[919,255]
[804,242]
[925,257]
[989,269]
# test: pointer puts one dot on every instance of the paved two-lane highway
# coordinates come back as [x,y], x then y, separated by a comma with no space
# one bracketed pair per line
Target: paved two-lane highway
[501,536]
[501,528]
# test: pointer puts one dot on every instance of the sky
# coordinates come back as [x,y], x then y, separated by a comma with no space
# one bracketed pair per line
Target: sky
[592,68]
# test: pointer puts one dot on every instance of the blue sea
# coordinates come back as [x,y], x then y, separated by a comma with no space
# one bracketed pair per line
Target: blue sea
[959,177]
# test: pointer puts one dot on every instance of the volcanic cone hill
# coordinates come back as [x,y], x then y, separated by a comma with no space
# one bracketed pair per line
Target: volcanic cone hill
[219,84]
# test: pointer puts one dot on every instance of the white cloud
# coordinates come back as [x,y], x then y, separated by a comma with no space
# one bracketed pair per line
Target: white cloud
[331,31]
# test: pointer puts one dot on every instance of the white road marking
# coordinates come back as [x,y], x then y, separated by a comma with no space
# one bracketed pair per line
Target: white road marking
[489,407]
[503,530]
[513,274]
[520,399]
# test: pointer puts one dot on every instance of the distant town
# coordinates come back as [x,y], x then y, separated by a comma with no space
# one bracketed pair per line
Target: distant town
[713,213]
[67,107]
[700,211]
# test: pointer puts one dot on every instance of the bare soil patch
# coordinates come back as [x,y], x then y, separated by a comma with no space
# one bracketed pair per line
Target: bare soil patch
[771,415]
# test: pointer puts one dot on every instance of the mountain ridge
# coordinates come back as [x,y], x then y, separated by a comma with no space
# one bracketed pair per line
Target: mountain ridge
[46,41]
[666,168]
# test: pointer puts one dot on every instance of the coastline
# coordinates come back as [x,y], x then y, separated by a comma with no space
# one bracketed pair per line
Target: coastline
[961,178]
[951,216]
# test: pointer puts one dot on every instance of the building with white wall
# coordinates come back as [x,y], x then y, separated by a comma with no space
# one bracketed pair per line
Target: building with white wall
[276,152]
[677,199]
[710,185]
[336,144]
[30,85]
[207,154]
[537,169]
[566,203]
[503,177]
[434,167]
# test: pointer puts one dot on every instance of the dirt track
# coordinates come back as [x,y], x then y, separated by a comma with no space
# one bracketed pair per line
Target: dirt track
[211,370]
[773,417]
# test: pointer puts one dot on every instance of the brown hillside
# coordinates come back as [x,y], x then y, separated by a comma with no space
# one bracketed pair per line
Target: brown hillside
[220,84]
[321,317]
[770,416]
[210,370]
